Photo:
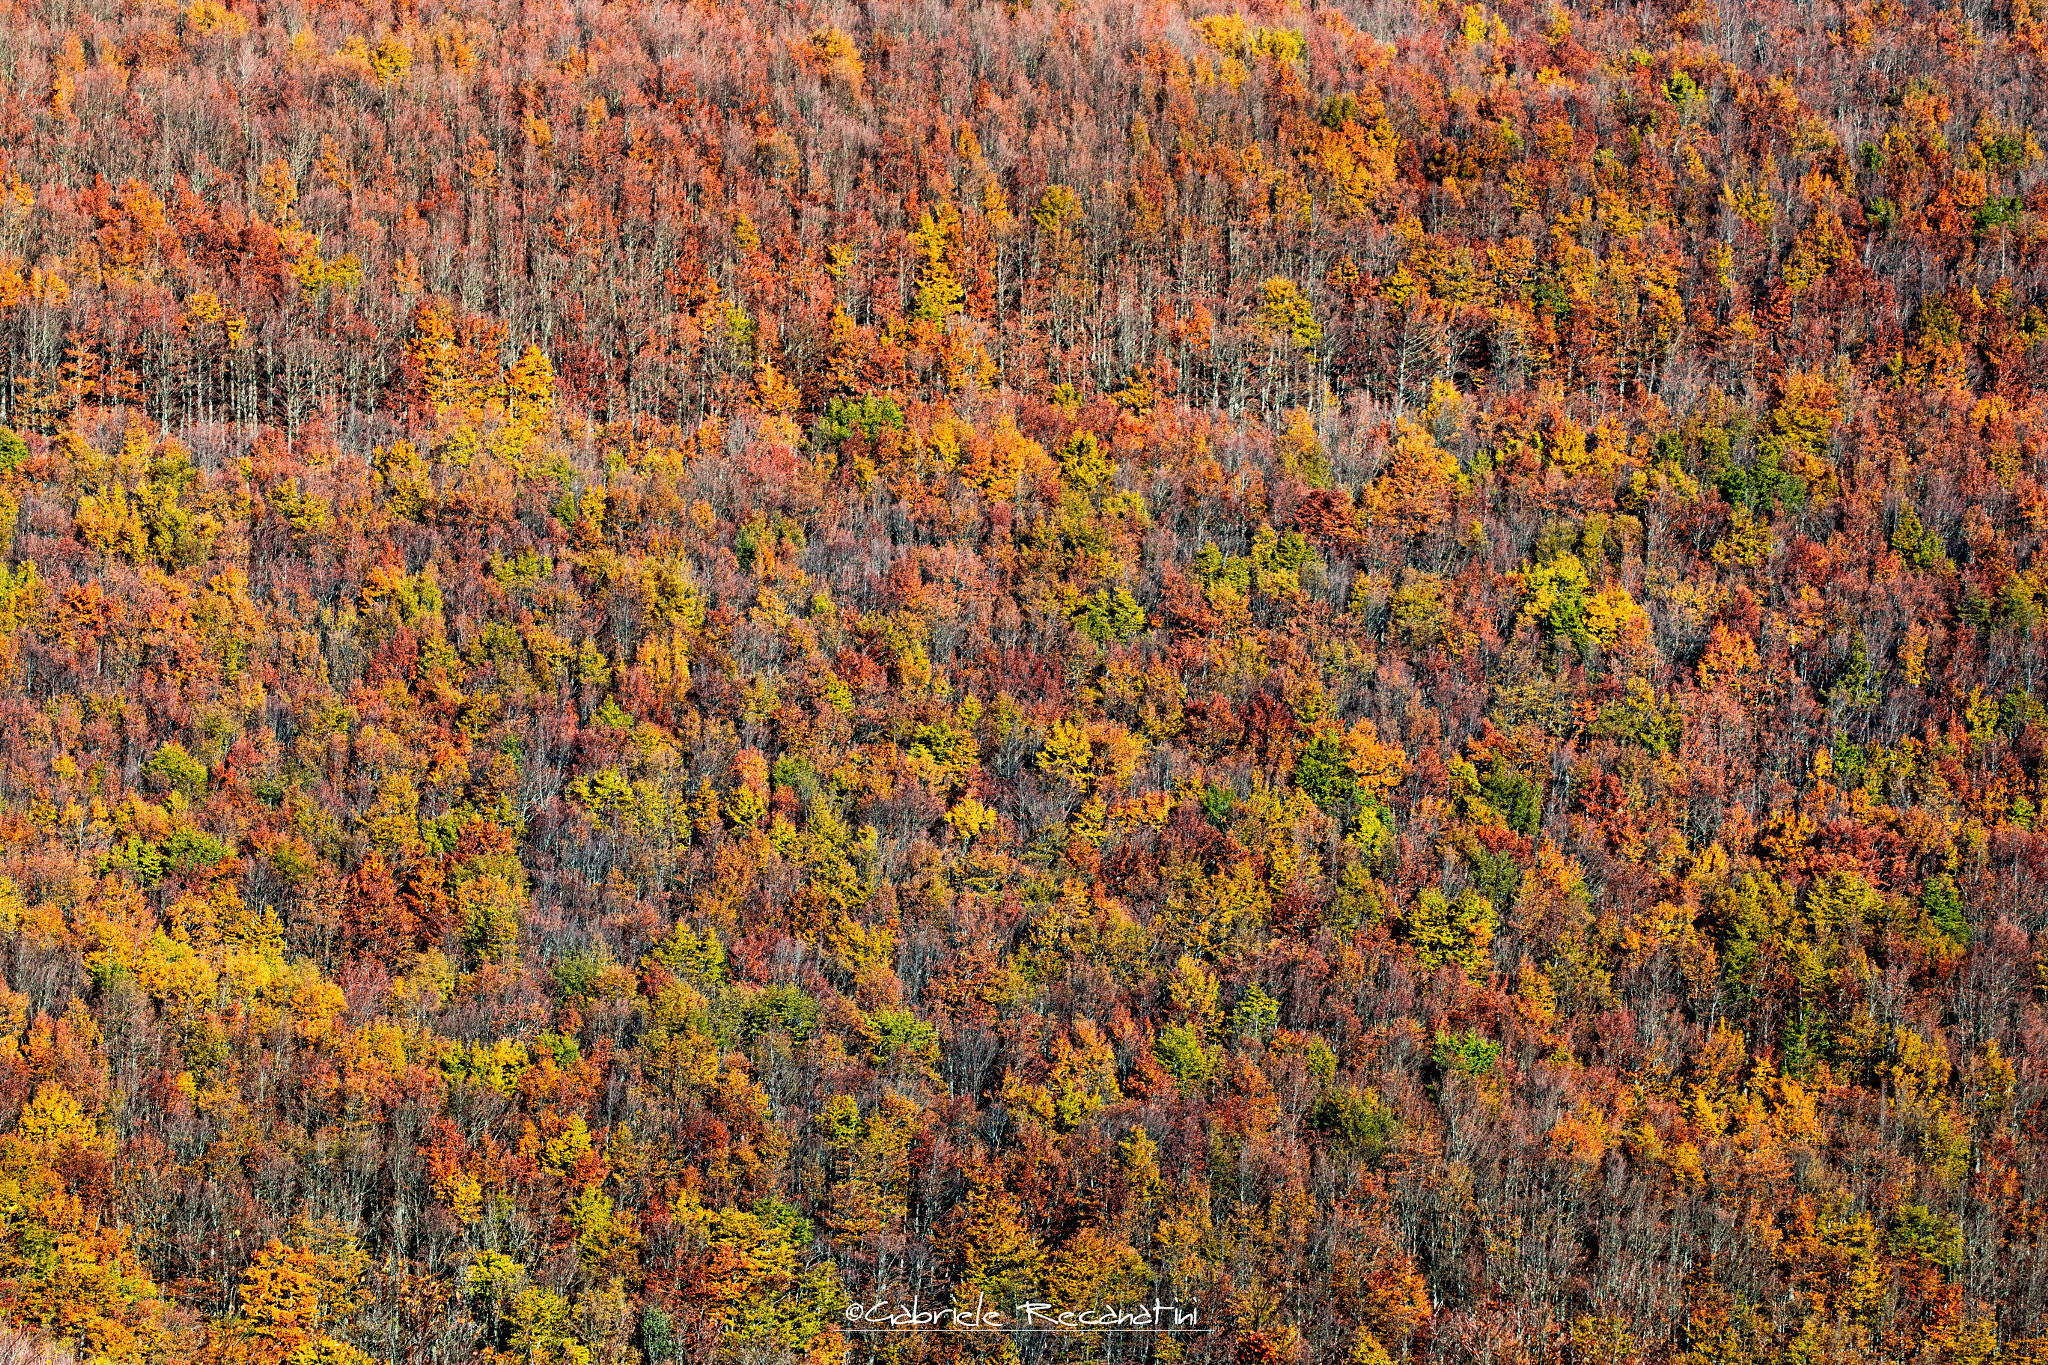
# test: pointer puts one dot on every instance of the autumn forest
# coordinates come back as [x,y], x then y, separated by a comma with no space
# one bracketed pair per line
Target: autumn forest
[1377,670]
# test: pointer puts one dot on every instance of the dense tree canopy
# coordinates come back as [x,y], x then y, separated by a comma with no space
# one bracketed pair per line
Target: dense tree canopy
[1381,670]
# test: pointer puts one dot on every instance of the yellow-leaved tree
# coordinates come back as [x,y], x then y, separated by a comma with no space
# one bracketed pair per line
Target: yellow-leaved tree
[63,1269]
[296,1297]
